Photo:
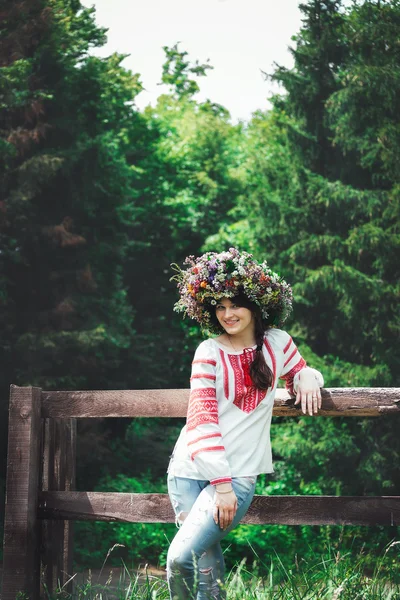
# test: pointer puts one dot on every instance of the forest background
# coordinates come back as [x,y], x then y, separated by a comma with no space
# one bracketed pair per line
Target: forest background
[98,198]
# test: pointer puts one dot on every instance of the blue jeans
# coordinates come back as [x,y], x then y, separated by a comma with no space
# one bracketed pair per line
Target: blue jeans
[195,563]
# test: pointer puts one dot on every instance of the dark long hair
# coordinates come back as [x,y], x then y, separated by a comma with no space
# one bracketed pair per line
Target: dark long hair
[260,372]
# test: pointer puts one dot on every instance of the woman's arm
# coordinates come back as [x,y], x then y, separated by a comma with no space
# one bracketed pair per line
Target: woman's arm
[301,380]
[203,433]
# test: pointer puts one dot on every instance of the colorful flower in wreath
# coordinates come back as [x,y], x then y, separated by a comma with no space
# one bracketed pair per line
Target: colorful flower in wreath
[213,276]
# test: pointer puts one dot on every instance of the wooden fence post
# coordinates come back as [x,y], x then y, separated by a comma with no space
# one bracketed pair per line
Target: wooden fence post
[59,459]
[69,486]
[21,527]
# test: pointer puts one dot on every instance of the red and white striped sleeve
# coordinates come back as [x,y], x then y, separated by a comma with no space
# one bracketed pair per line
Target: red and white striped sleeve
[203,434]
[293,364]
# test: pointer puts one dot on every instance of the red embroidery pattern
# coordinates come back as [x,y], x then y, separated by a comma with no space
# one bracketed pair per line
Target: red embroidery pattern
[204,437]
[291,356]
[204,418]
[202,393]
[290,375]
[234,359]
[205,361]
[208,449]
[247,397]
[286,348]
[273,360]
[246,359]
[226,377]
[203,408]
[201,375]
[252,399]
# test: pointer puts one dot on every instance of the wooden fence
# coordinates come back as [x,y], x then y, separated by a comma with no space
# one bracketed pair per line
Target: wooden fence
[41,503]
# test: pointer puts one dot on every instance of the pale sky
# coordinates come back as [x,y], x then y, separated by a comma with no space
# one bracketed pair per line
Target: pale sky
[240,37]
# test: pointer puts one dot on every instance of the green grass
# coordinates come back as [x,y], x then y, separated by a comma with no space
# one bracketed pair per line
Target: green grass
[332,577]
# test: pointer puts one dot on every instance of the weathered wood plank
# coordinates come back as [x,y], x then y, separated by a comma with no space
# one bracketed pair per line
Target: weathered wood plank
[47,551]
[289,510]
[69,486]
[354,402]
[58,475]
[58,484]
[21,565]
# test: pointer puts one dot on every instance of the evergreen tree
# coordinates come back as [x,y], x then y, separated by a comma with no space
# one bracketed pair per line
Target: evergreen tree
[321,49]
[363,113]
[65,123]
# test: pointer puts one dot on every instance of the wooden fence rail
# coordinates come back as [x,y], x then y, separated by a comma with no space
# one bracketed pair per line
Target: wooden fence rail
[41,503]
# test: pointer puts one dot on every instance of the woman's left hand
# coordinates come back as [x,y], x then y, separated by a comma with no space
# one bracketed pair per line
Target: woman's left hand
[308,392]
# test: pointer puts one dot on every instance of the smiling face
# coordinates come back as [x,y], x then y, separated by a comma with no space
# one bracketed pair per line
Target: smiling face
[233,318]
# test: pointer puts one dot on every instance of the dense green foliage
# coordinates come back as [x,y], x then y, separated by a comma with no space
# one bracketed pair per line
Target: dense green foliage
[99,198]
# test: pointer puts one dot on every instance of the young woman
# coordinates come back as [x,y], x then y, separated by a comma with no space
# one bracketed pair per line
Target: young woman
[226,441]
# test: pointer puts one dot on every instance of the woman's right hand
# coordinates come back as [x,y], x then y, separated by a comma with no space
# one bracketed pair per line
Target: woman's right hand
[225,507]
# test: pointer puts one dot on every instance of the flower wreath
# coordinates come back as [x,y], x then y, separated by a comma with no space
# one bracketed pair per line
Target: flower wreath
[213,276]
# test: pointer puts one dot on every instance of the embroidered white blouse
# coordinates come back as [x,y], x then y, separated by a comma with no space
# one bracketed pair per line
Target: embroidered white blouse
[227,432]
